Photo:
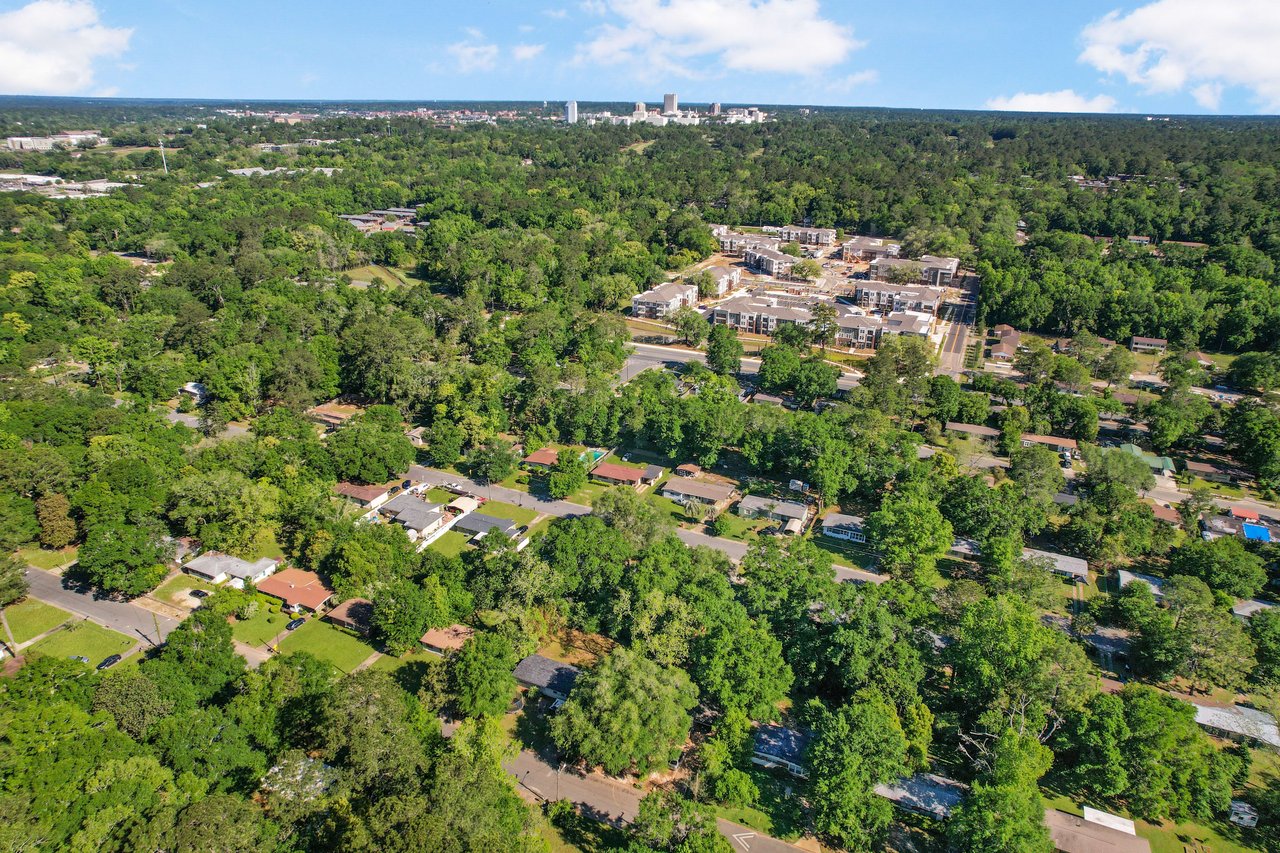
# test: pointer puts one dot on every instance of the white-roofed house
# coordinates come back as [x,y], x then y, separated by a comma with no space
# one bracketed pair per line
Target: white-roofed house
[218,568]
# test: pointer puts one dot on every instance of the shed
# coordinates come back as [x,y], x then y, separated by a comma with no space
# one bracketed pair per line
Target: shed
[688,469]
[550,677]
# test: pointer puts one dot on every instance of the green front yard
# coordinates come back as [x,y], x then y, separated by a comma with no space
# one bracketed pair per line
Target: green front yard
[1170,837]
[42,558]
[744,529]
[83,638]
[851,555]
[518,514]
[29,619]
[332,645]
[261,628]
[174,590]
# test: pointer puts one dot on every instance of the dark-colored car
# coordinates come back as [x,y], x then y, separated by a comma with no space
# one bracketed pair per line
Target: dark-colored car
[109,662]
[199,593]
[295,624]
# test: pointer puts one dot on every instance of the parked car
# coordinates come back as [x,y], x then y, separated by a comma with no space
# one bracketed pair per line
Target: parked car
[199,593]
[109,662]
[295,624]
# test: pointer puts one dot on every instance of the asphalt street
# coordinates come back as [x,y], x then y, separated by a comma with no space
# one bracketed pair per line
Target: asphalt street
[129,619]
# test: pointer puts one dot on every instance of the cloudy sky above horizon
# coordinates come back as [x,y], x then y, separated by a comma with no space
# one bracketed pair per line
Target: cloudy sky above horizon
[1157,56]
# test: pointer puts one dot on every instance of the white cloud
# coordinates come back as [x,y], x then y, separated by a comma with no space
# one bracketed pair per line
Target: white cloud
[525,28]
[51,47]
[475,54]
[852,81]
[556,13]
[1174,45]
[594,7]
[1064,101]
[525,52]
[672,36]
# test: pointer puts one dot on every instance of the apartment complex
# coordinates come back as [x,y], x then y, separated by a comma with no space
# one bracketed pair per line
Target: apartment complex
[658,302]
[806,236]
[868,249]
[930,269]
[769,261]
[764,313]
[883,296]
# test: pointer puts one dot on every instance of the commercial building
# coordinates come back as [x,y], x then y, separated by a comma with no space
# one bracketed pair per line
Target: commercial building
[670,104]
[571,112]
[658,302]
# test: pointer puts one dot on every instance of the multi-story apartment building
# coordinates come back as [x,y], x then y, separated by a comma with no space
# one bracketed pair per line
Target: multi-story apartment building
[932,270]
[769,261]
[868,249]
[662,300]
[806,236]
[883,296]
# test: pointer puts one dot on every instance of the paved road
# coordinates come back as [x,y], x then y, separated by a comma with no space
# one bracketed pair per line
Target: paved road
[615,801]
[129,619]
[731,548]
[649,357]
[951,355]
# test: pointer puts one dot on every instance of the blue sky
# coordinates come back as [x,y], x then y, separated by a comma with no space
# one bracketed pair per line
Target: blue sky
[1144,56]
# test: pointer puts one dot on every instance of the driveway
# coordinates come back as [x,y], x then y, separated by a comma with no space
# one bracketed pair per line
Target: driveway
[129,619]
[561,509]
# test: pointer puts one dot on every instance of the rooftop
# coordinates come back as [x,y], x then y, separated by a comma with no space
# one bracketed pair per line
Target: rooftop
[214,563]
[789,509]
[297,587]
[1072,834]
[612,471]
[782,743]
[698,489]
[1239,720]
[925,793]
[449,639]
[544,672]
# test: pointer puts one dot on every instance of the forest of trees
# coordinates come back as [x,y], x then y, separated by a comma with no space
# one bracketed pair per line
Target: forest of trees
[500,321]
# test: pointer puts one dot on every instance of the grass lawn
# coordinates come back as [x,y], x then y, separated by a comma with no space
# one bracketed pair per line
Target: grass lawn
[332,645]
[451,543]
[518,514]
[588,493]
[411,670]
[440,496]
[174,591]
[29,619]
[846,555]
[83,638]
[261,628]
[776,812]
[744,529]
[368,272]
[42,558]
[518,481]
[581,834]
[671,508]
[541,526]
[267,547]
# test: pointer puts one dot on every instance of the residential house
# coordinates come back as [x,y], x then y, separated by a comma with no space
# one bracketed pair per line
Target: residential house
[1211,472]
[218,568]
[976,430]
[651,474]
[1157,464]
[688,469]
[1153,583]
[769,261]
[1246,609]
[868,249]
[1240,724]
[1061,445]
[779,746]
[925,794]
[1243,814]
[790,514]
[196,391]
[1093,833]
[419,517]
[665,299]
[549,677]
[369,497]
[808,236]
[1060,564]
[480,525]
[1166,514]
[838,525]
[298,589]
[441,641]
[618,475]
[544,458]
[354,614]
[1140,344]
[1004,351]
[686,491]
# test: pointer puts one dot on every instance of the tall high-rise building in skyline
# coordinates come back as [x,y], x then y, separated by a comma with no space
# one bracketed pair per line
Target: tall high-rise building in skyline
[715,108]
[571,112]
[670,104]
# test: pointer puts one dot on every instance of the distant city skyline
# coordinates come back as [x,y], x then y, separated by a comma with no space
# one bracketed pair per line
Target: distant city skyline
[1157,56]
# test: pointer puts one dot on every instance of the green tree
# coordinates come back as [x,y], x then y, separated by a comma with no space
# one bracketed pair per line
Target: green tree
[724,350]
[13,581]
[691,326]
[493,462]
[1264,630]
[1005,812]
[568,476]
[854,749]
[402,612]
[1116,366]
[366,451]
[910,534]
[57,529]
[480,675]
[124,558]
[1223,564]
[18,523]
[626,713]
[807,269]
